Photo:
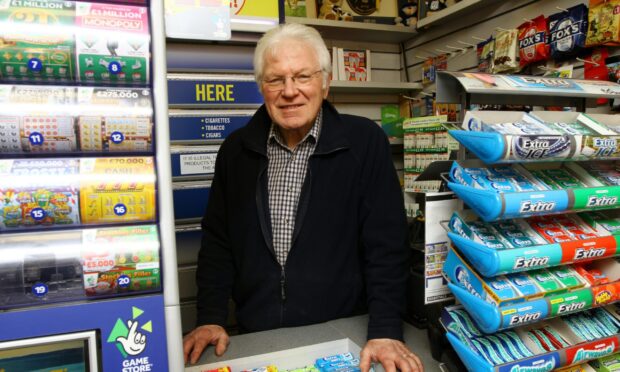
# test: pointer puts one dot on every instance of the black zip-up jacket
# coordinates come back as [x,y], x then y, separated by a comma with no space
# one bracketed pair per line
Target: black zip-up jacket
[349,251]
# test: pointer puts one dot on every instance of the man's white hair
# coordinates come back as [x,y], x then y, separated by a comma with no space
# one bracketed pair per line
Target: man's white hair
[270,42]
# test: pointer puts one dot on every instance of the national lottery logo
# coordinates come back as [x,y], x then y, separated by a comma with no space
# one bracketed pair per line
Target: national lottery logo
[131,340]
[540,147]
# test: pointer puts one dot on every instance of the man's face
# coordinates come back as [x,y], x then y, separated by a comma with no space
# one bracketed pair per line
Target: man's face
[295,106]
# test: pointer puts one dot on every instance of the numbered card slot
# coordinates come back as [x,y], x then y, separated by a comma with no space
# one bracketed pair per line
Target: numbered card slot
[78,264]
[52,119]
[63,41]
[53,193]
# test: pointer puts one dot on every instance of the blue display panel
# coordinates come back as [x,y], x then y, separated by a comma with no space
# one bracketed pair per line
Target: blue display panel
[195,93]
[132,331]
[190,202]
[190,127]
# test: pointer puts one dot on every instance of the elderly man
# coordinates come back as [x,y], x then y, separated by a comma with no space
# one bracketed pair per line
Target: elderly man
[305,221]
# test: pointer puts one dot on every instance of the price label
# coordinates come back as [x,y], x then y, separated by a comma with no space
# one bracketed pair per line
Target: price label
[37,214]
[34,64]
[120,209]
[36,138]
[123,281]
[114,67]
[117,137]
[39,289]
[99,264]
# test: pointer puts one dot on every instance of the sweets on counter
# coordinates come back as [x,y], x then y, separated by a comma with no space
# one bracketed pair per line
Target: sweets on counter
[269,368]
[221,369]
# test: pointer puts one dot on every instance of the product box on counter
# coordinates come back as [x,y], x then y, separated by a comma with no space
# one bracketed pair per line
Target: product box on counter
[293,359]
[545,346]
[510,300]
[505,137]
[531,189]
[526,244]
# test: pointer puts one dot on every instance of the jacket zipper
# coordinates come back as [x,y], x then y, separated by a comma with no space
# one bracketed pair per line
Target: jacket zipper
[282,294]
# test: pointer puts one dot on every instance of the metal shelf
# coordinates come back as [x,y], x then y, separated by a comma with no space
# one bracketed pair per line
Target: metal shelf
[344,86]
[357,31]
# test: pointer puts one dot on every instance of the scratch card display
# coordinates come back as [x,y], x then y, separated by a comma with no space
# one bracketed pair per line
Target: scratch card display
[117,190]
[38,192]
[35,40]
[112,43]
[118,260]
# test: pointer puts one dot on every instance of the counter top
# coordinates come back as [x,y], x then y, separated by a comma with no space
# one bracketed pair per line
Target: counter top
[353,328]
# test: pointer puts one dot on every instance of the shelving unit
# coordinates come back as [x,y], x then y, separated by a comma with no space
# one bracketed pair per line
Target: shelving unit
[343,86]
[451,12]
[86,242]
[358,31]
[534,288]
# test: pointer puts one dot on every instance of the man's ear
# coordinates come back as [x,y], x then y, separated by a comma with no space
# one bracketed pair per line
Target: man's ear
[326,89]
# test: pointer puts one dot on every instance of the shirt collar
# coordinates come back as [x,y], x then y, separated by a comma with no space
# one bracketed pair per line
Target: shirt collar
[312,135]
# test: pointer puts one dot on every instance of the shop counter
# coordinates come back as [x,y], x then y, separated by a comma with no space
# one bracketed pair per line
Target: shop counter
[353,328]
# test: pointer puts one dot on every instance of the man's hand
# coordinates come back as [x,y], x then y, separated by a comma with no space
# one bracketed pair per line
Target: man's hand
[392,354]
[197,340]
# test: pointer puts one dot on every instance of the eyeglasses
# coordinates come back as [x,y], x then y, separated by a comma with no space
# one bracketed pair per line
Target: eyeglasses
[277,84]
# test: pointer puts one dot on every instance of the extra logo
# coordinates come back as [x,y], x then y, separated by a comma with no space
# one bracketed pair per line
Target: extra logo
[539,147]
[569,308]
[583,253]
[523,263]
[602,201]
[131,342]
[550,83]
[462,278]
[526,318]
[527,206]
